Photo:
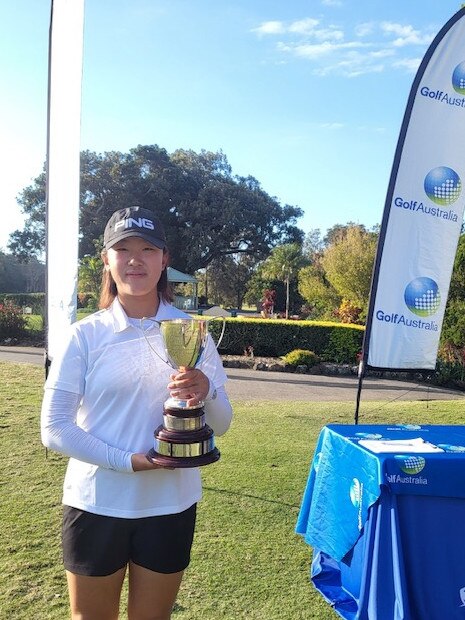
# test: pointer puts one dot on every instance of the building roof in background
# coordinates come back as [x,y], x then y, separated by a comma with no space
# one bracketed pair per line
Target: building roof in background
[177,276]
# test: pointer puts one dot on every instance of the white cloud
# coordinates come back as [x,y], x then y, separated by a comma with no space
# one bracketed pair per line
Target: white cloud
[363,30]
[352,64]
[410,64]
[406,35]
[330,33]
[331,2]
[316,50]
[271,27]
[332,51]
[384,53]
[304,26]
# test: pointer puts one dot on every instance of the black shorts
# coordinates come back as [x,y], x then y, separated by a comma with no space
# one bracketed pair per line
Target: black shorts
[96,545]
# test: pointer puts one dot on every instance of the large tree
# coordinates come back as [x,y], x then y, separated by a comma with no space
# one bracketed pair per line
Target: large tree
[453,329]
[207,211]
[226,279]
[17,277]
[348,263]
[321,298]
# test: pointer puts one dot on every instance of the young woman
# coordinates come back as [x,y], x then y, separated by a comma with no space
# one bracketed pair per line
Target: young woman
[103,399]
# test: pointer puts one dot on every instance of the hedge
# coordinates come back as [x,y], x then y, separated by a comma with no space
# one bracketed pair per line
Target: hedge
[332,342]
[35,301]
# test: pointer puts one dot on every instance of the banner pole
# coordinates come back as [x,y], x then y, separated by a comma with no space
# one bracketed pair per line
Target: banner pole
[361,375]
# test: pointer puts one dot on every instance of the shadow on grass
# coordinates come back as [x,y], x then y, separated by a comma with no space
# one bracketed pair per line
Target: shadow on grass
[262,499]
[345,381]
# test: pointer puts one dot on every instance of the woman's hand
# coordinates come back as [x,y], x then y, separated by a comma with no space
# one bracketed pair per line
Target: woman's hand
[143,462]
[189,384]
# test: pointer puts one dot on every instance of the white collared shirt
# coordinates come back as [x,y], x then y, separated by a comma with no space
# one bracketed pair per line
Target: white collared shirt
[116,370]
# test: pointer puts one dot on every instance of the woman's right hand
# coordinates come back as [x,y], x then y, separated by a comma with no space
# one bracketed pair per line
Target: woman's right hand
[143,462]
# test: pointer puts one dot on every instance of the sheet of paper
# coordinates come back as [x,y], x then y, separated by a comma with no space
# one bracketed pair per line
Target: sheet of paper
[417,445]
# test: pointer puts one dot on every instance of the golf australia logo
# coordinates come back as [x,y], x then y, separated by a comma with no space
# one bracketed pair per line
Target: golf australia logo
[422,296]
[443,185]
[448,98]
[410,464]
[458,78]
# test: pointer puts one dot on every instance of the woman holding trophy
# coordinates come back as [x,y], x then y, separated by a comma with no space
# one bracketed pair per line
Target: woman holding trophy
[104,396]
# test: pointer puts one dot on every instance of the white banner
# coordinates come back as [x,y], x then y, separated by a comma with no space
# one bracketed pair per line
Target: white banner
[64,128]
[423,213]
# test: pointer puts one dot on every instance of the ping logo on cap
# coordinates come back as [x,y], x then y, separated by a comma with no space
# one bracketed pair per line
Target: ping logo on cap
[130,222]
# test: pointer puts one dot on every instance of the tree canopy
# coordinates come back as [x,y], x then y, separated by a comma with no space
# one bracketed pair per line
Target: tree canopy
[348,263]
[207,211]
[17,277]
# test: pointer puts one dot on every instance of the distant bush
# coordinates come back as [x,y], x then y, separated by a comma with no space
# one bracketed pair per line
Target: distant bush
[333,342]
[12,321]
[87,300]
[35,301]
[301,357]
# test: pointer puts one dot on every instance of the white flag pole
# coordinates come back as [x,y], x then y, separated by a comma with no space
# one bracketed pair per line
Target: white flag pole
[63,153]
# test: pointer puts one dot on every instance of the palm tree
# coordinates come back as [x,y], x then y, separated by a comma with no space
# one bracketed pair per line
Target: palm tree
[283,264]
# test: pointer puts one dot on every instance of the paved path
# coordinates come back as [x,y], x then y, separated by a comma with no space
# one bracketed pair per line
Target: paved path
[246,384]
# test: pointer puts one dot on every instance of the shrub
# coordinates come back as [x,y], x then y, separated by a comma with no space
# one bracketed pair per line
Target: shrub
[275,338]
[35,301]
[343,347]
[348,312]
[12,321]
[301,357]
[86,300]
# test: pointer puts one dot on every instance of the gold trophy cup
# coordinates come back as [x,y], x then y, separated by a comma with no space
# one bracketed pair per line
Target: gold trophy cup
[184,439]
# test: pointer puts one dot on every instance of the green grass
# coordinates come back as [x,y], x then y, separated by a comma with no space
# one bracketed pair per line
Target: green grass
[246,561]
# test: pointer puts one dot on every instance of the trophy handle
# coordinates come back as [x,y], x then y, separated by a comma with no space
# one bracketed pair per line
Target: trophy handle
[145,318]
[205,323]
[223,327]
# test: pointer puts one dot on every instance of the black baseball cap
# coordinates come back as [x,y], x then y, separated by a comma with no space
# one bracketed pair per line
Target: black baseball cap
[134,222]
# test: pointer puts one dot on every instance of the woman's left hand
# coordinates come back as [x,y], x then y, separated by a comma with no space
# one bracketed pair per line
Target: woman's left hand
[189,384]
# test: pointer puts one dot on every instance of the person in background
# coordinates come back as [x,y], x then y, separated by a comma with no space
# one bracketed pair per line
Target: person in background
[103,398]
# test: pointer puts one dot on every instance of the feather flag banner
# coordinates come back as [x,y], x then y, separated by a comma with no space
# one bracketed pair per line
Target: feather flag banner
[423,213]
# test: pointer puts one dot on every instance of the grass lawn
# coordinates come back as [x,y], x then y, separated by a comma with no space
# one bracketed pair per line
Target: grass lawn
[247,562]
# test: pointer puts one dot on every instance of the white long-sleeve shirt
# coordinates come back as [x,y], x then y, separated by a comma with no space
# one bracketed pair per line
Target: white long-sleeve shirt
[103,400]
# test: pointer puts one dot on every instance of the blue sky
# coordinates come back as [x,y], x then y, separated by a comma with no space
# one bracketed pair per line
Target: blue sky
[306,96]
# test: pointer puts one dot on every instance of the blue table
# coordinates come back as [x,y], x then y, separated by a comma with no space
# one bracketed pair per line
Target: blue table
[388,529]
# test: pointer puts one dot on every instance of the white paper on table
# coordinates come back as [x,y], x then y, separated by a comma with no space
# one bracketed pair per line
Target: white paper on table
[417,445]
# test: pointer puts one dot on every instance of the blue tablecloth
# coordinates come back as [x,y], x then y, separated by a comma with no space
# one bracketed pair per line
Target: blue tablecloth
[388,529]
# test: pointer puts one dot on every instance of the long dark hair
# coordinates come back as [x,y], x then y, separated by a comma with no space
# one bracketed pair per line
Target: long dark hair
[108,289]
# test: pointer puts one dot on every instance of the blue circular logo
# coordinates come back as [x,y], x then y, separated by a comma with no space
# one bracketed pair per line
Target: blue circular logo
[410,464]
[443,185]
[368,435]
[458,78]
[422,296]
[355,493]
[450,448]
